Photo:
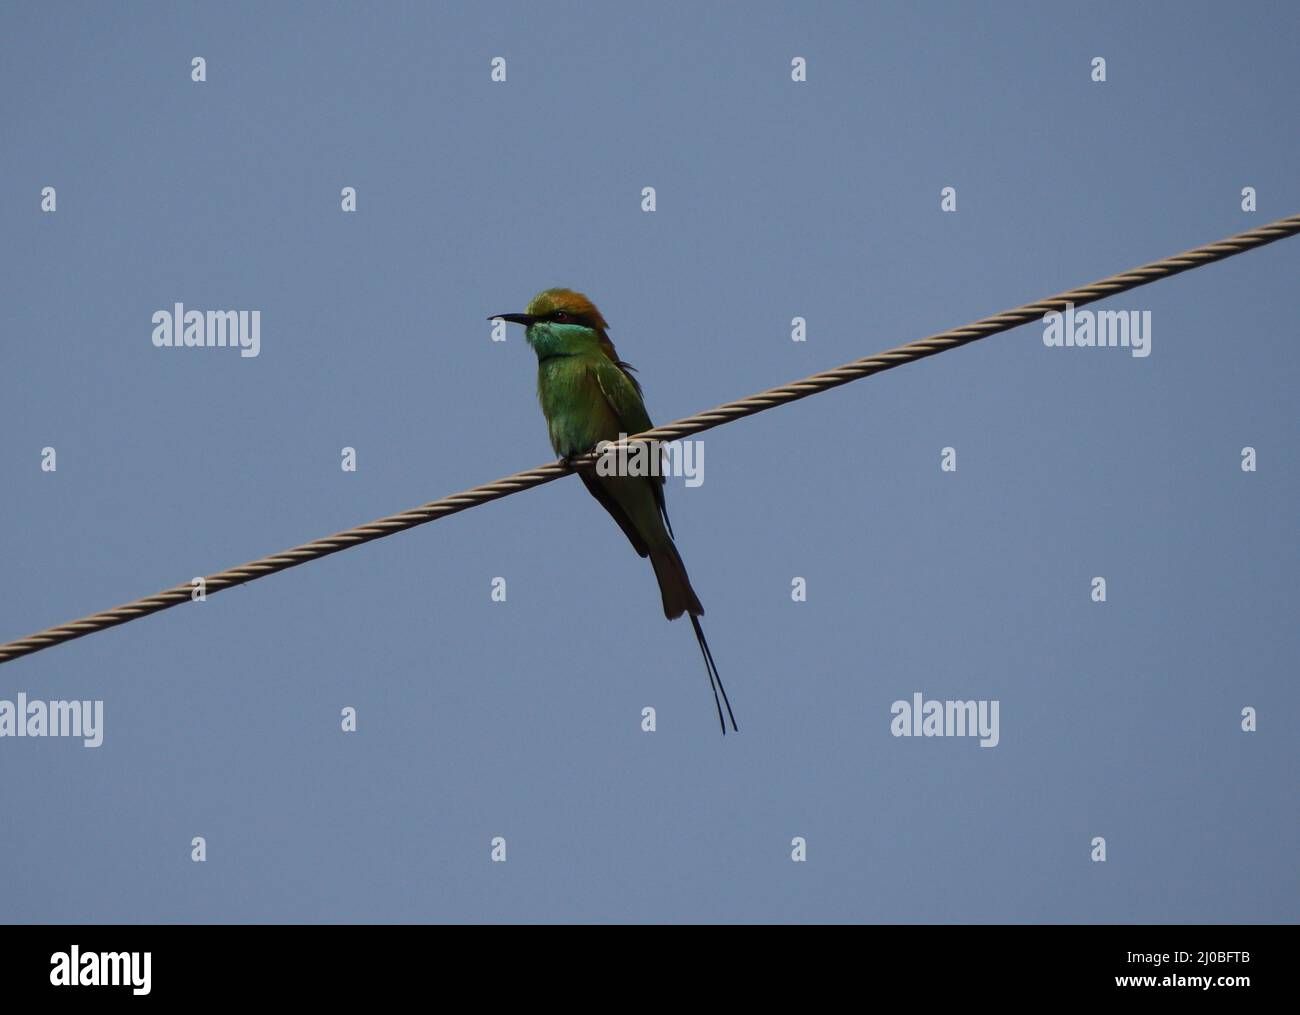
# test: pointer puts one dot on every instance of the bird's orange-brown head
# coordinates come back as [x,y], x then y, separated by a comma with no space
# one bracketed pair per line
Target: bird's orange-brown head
[560,318]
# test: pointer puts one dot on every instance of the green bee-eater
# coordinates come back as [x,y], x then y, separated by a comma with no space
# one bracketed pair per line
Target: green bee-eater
[589,395]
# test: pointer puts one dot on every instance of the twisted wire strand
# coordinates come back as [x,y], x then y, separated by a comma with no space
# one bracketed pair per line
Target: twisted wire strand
[686,427]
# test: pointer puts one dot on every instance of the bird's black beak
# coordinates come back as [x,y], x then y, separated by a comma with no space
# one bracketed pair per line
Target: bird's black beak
[524,319]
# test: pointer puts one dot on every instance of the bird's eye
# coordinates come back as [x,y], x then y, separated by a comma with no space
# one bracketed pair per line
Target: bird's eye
[560,315]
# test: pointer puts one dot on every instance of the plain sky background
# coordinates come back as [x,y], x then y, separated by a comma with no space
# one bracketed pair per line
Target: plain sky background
[775,199]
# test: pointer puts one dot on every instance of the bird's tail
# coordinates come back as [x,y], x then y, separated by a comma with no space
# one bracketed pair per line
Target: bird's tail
[674,584]
[679,598]
[715,679]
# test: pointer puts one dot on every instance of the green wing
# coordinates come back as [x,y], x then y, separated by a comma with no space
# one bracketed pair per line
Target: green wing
[623,395]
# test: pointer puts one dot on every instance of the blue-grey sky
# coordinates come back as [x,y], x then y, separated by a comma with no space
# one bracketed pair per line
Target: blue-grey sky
[775,199]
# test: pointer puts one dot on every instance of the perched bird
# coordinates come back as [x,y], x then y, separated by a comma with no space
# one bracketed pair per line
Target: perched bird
[589,395]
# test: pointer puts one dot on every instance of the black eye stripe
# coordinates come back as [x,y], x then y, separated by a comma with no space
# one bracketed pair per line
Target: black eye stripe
[565,317]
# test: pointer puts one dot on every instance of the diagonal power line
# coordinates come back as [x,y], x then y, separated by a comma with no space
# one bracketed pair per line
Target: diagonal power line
[698,423]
